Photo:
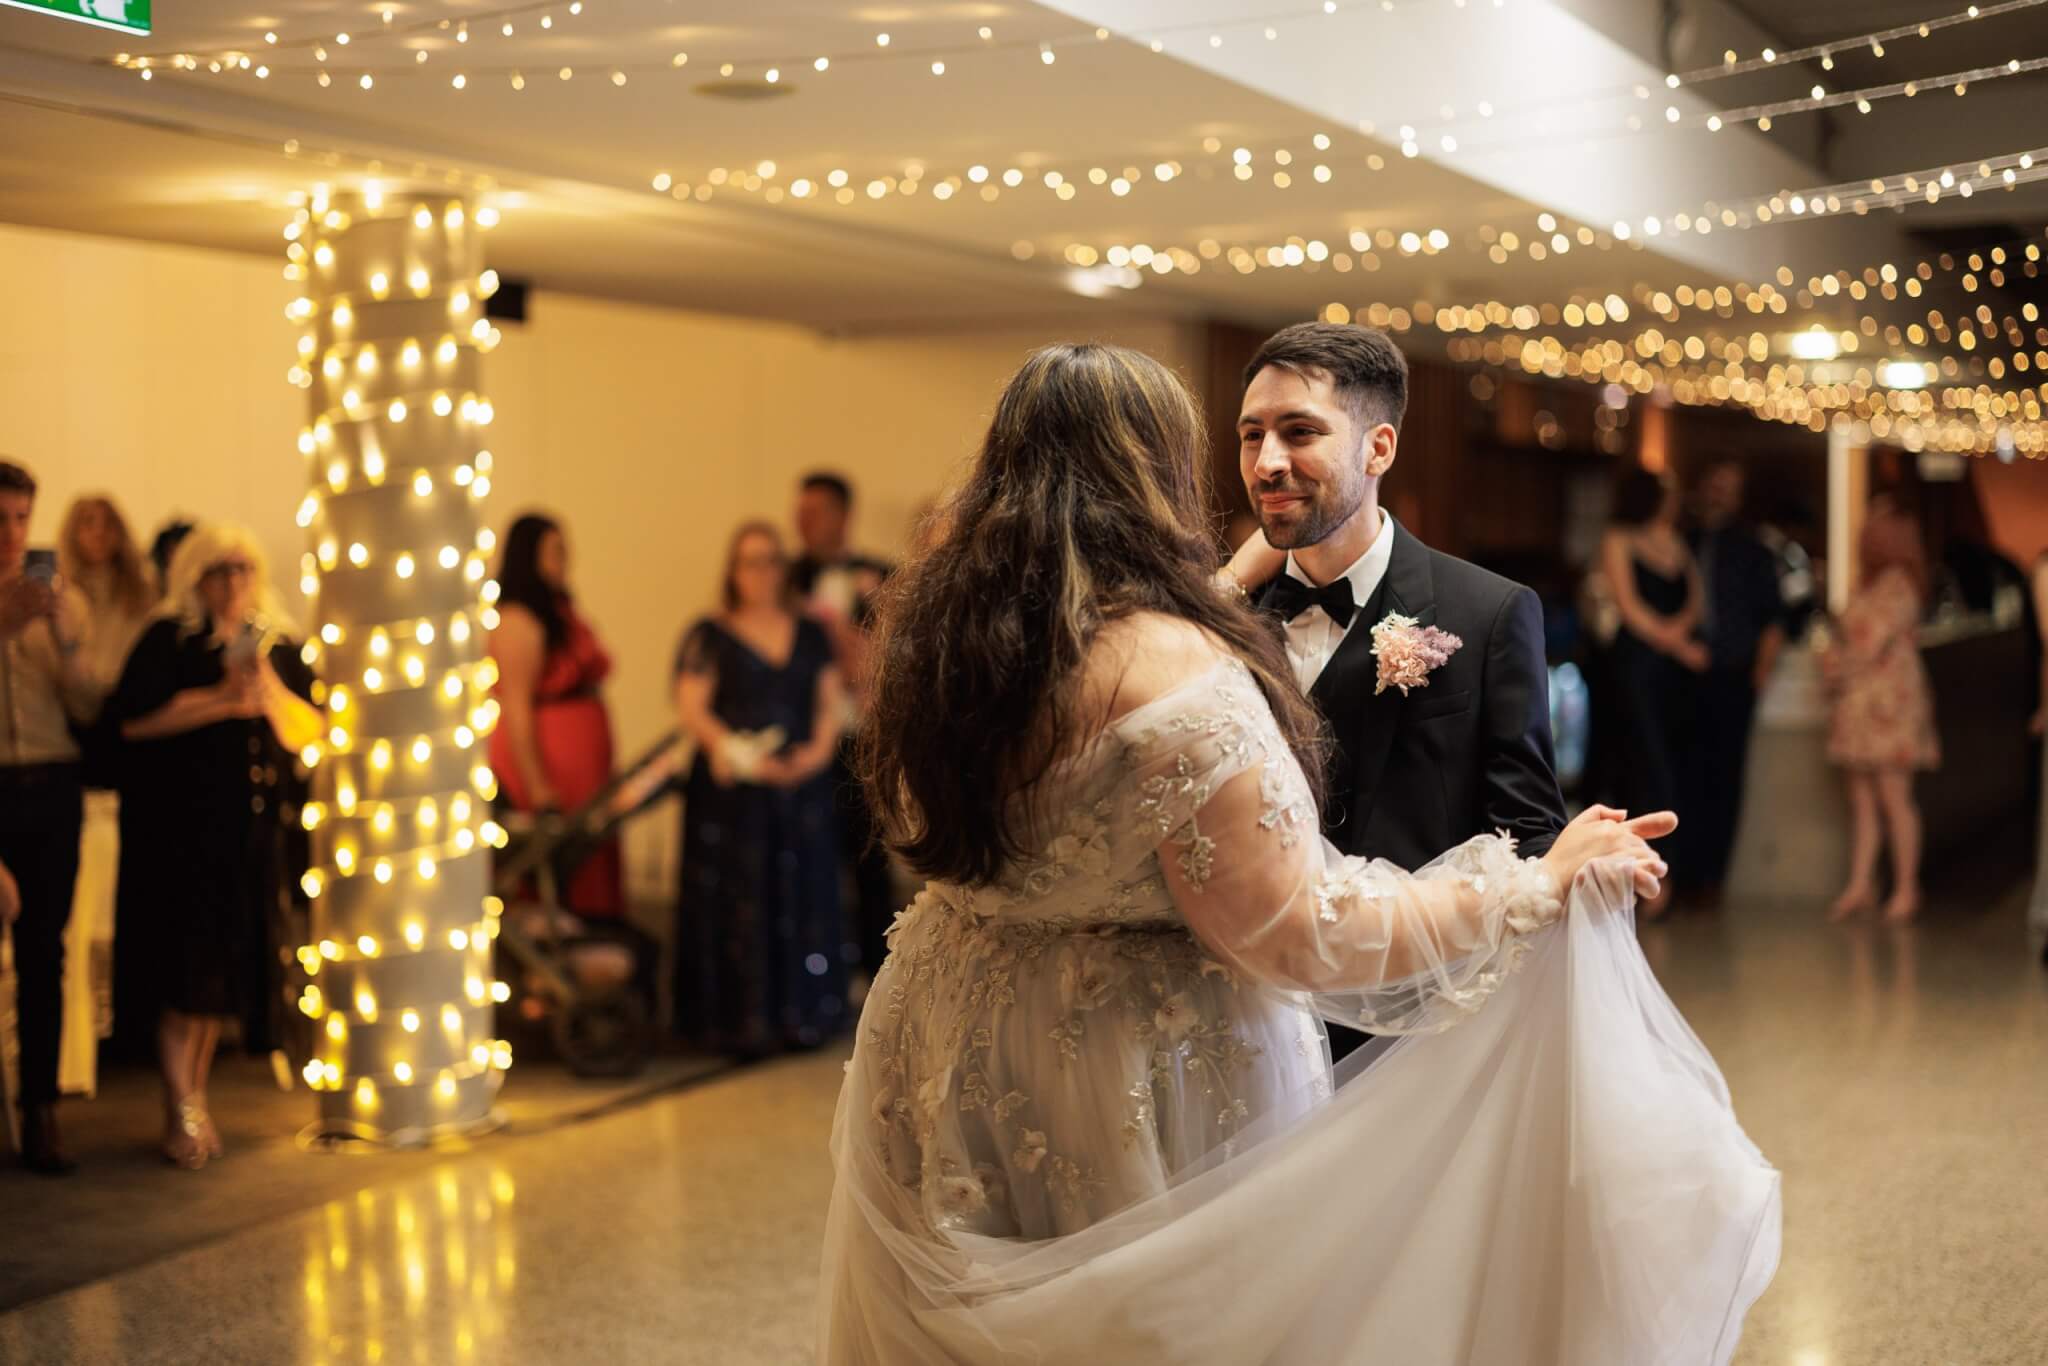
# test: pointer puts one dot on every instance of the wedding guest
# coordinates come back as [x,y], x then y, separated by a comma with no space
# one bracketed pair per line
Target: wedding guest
[97,556]
[1655,658]
[1741,624]
[758,924]
[838,587]
[1882,730]
[2037,910]
[164,546]
[552,750]
[45,646]
[213,703]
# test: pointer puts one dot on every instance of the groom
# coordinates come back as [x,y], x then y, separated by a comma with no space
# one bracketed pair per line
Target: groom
[1438,740]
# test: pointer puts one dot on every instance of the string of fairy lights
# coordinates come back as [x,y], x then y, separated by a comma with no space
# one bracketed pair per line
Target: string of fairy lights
[1550,237]
[771,70]
[1724,372]
[1310,160]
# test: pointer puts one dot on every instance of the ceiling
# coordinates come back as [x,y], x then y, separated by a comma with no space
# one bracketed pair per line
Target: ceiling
[212,159]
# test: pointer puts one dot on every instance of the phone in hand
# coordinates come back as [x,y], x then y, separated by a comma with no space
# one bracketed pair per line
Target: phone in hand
[41,566]
[248,648]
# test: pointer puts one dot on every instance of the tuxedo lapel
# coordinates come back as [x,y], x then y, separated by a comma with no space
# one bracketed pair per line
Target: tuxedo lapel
[1365,723]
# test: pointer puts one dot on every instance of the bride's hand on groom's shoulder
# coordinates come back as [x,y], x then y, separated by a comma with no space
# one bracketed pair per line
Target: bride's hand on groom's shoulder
[1253,563]
[1601,832]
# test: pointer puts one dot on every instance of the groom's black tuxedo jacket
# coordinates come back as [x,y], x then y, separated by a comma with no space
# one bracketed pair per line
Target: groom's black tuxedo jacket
[1467,755]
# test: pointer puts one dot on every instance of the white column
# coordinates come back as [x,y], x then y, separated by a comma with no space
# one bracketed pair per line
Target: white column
[400,983]
[1848,485]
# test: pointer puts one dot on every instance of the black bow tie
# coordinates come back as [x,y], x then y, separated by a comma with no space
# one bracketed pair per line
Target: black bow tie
[1291,597]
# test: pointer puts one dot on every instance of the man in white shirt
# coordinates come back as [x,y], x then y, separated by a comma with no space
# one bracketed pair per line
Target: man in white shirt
[46,688]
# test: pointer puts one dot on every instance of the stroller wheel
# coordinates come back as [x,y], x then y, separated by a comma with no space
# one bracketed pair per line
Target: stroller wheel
[603,1033]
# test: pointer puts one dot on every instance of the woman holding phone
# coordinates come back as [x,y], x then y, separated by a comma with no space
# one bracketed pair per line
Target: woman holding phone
[213,703]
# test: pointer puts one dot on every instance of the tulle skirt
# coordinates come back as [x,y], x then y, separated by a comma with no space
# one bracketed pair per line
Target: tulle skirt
[1559,1180]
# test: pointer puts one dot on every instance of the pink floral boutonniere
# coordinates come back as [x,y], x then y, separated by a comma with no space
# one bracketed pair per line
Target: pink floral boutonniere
[1408,652]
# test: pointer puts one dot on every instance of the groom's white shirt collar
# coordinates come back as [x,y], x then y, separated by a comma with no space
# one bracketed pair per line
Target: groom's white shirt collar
[1312,637]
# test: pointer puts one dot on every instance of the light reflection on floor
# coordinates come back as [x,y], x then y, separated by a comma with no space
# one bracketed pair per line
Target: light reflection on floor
[399,1280]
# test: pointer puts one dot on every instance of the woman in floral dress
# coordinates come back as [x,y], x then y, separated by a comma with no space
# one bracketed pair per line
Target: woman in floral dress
[1883,726]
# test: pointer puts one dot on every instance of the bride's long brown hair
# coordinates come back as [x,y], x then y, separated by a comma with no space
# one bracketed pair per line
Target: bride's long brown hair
[1089,501]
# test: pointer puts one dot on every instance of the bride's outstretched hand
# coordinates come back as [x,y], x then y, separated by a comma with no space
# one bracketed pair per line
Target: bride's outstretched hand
[1254,563]
[1601,832]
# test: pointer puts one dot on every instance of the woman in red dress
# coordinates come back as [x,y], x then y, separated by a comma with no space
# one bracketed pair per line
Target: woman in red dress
[553,746]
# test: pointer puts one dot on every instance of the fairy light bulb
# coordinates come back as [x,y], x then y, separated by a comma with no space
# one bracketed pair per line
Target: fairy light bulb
[383,822]
[458,939]
[366,1007]
[422,750]
[337,1028]
[380,755]
[415,935]
[445,1087]
[402,1072]
[451,1019]
[409,1021]
[366,1092]
[405,566]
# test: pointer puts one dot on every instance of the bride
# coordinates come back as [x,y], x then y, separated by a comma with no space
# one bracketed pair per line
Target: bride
[1090,1115]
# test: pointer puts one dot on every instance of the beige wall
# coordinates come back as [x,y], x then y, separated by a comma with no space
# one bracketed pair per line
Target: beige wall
[157,373]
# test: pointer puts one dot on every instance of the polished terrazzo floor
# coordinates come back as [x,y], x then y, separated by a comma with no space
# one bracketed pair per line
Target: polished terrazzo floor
[1898,1077]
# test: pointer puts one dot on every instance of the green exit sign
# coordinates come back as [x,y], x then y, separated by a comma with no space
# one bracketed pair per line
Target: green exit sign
[125,16]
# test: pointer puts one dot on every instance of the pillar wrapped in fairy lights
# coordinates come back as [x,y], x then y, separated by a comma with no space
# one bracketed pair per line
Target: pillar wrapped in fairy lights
[399,982]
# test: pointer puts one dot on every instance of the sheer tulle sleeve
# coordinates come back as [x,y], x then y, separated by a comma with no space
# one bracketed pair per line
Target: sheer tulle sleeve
[1219,790]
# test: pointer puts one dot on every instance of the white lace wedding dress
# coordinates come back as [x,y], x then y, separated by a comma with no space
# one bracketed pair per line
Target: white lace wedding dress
[1090,1116]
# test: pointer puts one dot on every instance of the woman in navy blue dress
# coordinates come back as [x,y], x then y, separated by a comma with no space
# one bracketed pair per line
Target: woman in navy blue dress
[760,935]
[1657,657]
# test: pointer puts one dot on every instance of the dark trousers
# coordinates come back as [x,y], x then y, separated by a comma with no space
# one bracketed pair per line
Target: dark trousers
[42,807]
[874,898]
[1715,769]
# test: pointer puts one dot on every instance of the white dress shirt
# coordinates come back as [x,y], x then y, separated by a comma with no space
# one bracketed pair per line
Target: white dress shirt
[1313,636]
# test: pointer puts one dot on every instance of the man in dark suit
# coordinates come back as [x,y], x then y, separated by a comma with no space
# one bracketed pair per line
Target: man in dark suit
[1468,751]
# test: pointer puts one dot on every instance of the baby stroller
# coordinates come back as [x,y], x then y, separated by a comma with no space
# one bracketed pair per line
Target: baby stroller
[589,982]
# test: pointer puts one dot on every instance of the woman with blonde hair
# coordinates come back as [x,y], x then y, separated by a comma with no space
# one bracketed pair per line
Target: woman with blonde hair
[97,556]
[213,704]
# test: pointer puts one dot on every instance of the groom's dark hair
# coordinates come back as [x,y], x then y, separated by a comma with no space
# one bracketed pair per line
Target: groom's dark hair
[1368,372]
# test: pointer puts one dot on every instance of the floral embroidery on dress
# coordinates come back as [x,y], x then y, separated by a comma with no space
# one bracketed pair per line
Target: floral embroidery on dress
[1005,1006]
[1030,1150]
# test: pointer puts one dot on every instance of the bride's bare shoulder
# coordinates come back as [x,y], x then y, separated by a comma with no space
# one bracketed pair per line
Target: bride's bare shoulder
[1142,657]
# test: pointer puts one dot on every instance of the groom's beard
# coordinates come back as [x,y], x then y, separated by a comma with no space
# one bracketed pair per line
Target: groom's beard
[1313,520]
